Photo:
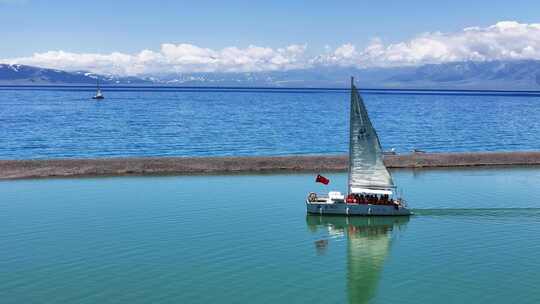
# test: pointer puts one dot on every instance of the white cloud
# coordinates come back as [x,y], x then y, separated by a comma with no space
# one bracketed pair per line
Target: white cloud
[503,41]
[173,58]
[344,55]
[507,40]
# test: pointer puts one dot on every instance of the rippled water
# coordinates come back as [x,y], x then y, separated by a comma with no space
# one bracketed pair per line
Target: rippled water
[143,122]
[246,239]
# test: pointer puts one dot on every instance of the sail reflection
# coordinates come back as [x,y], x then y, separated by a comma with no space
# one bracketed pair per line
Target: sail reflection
[368,244]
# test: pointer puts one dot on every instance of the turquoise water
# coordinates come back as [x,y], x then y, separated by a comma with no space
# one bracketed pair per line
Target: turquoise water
[66,123]
[247,239]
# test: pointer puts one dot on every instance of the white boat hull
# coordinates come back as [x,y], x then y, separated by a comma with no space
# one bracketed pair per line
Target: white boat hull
[355,209]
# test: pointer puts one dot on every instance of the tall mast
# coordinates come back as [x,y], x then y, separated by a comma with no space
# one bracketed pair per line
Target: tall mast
[350,130]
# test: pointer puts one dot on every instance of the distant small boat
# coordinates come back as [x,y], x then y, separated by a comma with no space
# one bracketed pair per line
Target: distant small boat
[371,190]
[99,94]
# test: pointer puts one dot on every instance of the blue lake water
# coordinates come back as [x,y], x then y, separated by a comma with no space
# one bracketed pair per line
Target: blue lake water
[66,123]
[247,239]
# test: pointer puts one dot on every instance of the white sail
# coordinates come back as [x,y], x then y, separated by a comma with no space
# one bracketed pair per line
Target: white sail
[366,167]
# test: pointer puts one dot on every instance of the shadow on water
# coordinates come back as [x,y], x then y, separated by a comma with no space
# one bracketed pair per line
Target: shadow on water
[368,244]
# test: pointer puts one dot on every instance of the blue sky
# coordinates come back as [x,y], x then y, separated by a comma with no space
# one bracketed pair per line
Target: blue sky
[103,27]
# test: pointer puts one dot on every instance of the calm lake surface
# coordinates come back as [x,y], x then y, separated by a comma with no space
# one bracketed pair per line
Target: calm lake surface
[246,239]
[66,123]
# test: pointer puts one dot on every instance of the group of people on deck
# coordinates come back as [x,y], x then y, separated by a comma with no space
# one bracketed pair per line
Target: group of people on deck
[373,199]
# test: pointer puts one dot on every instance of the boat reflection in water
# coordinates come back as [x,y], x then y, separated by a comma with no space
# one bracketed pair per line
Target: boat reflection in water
[368,244]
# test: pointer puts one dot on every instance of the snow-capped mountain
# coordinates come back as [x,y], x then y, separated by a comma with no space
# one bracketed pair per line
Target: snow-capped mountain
[504,75]
[16,74]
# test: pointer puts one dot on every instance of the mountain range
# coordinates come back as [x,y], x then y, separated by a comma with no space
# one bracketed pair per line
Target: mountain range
[503,75]
[17,74]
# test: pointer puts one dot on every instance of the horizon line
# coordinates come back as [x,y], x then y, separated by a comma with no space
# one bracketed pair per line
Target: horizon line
[270,89]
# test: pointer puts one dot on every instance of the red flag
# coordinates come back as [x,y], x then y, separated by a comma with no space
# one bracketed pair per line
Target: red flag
[322,179]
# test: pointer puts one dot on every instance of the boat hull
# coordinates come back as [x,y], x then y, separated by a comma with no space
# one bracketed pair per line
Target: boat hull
[356,209]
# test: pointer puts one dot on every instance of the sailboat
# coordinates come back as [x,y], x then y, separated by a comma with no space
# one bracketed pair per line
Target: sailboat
[371,190]
[98,95]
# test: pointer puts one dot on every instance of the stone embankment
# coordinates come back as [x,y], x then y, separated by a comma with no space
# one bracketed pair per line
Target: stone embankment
[17,169]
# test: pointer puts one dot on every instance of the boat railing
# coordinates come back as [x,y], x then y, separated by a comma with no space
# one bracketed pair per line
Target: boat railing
[317,198]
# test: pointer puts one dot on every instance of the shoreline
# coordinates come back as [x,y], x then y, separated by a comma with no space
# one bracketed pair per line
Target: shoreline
[24,169]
